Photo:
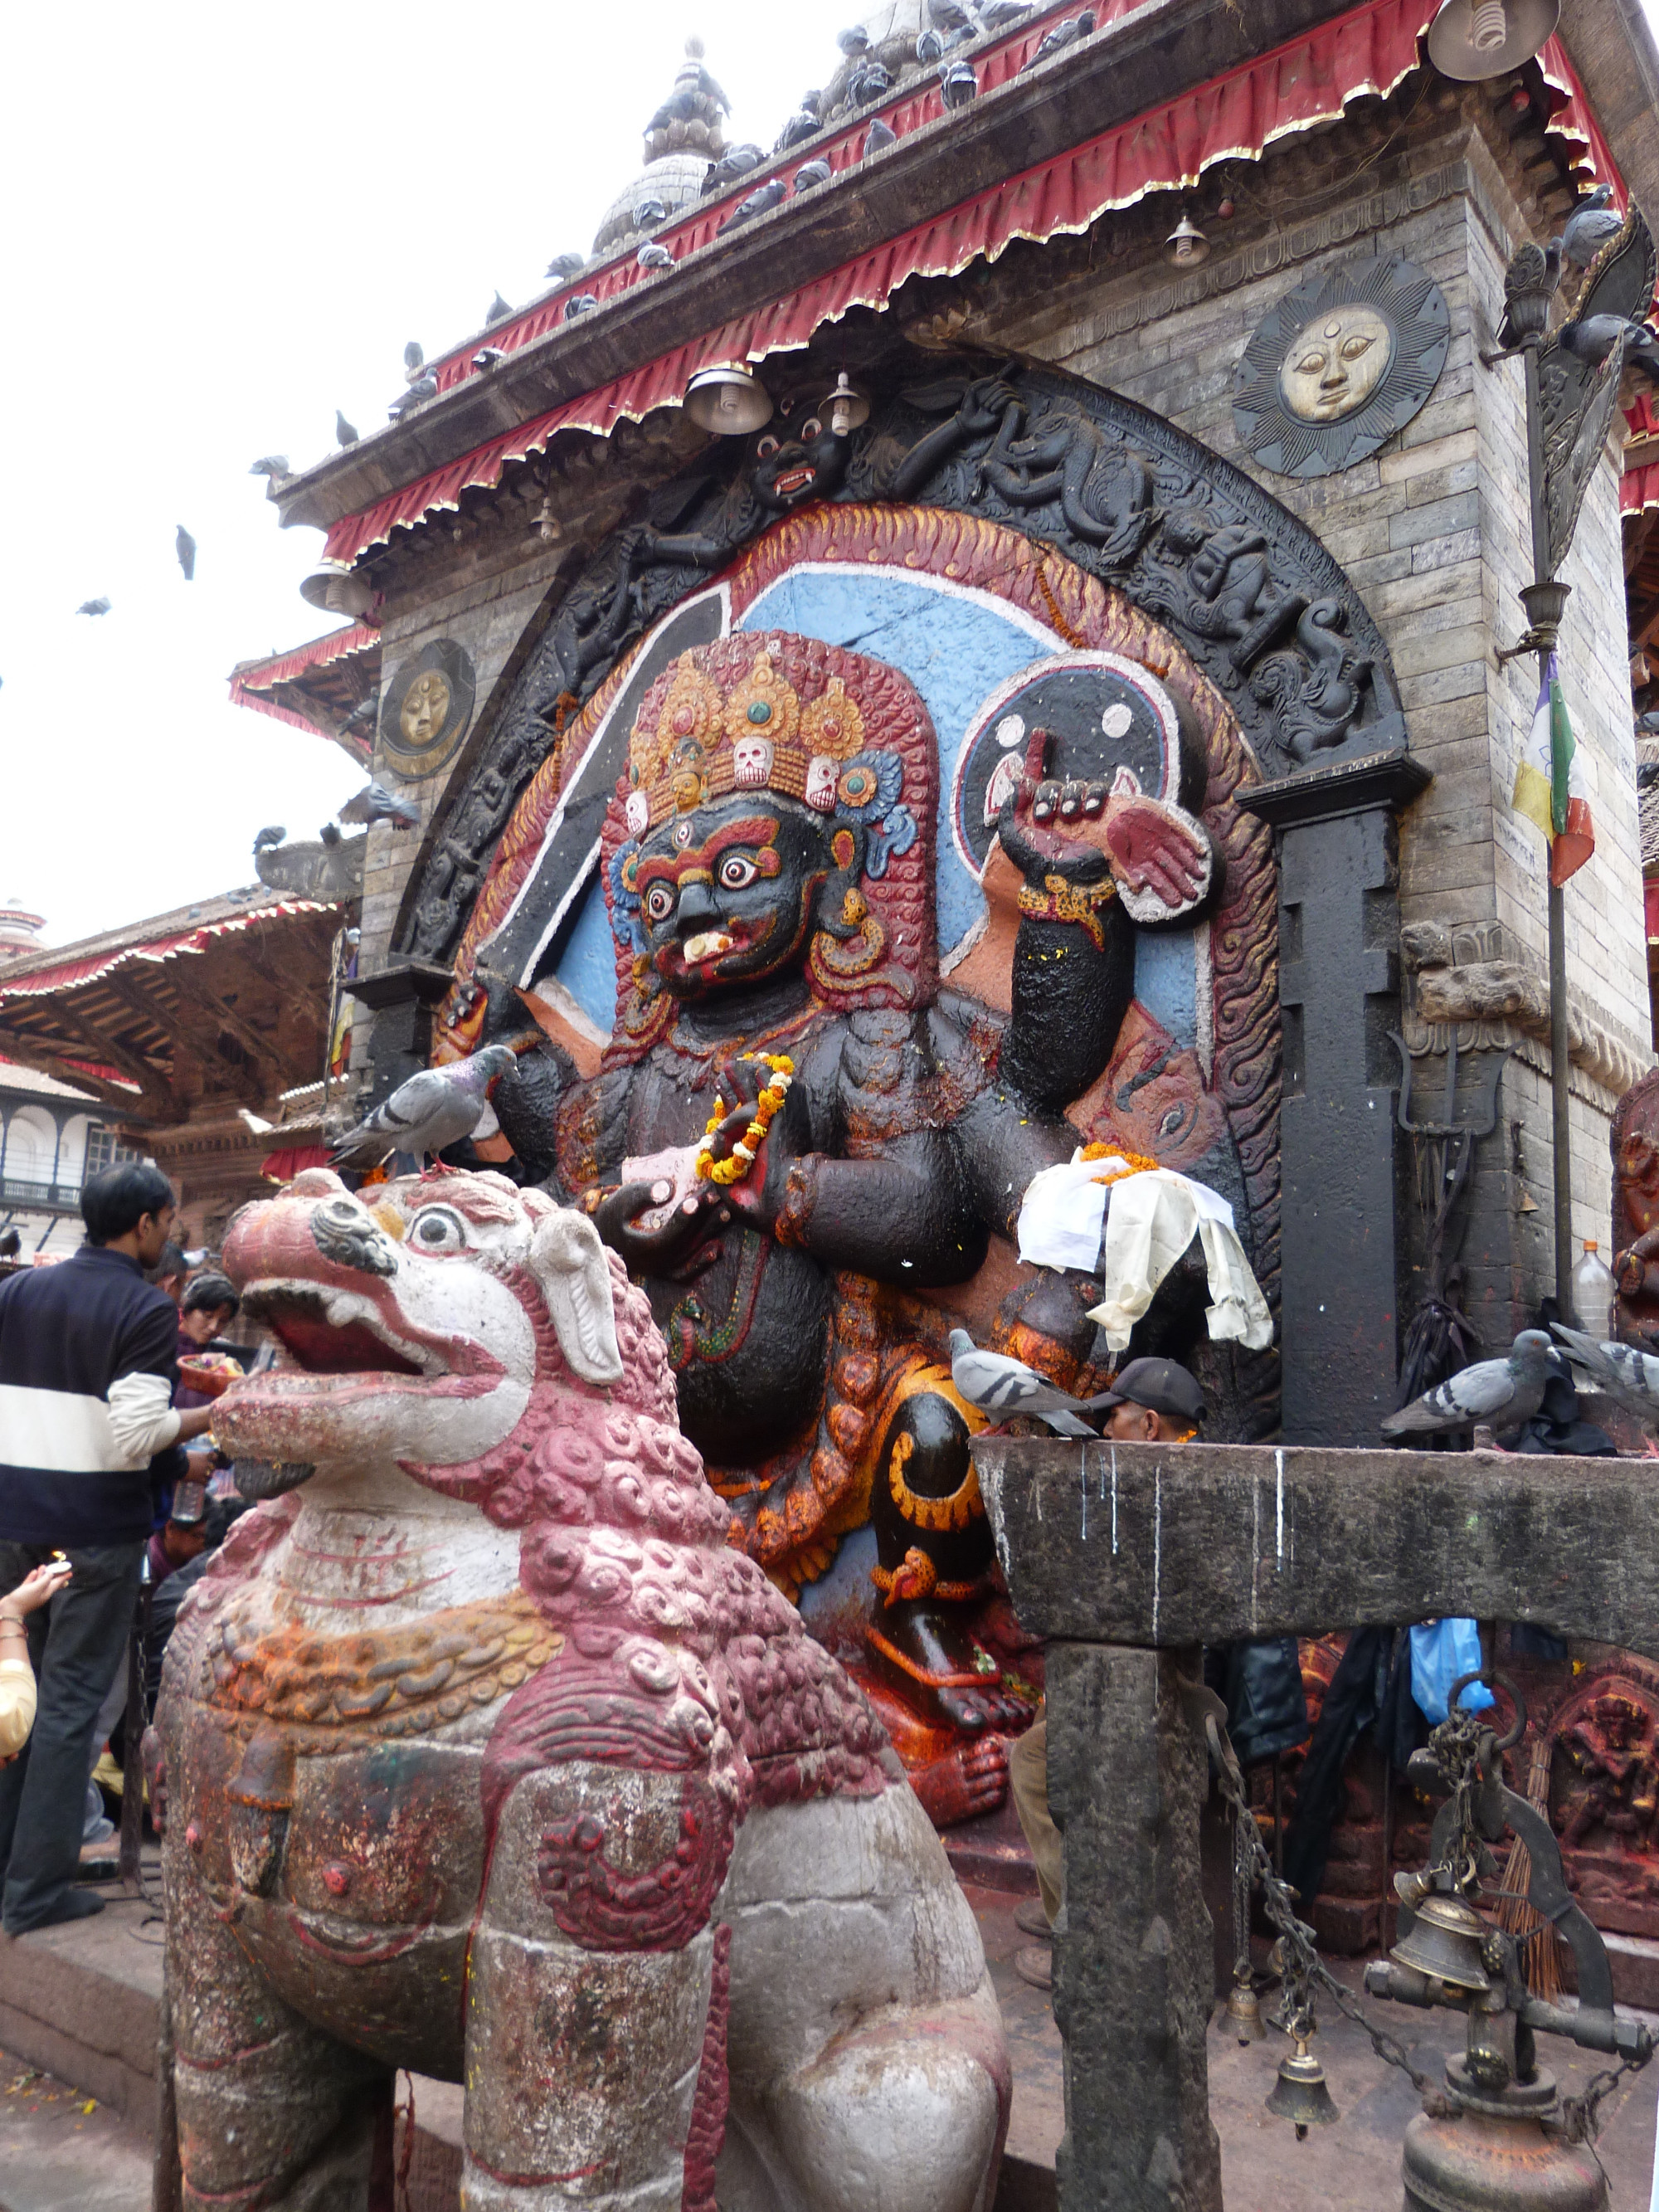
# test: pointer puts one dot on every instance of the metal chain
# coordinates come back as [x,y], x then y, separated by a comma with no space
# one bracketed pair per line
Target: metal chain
[1579,2120]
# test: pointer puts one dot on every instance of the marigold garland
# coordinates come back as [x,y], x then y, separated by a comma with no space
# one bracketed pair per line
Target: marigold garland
[741,1158]
[1136,1163]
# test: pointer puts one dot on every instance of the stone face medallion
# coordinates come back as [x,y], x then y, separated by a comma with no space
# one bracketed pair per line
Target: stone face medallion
[1338,366]
[425,707]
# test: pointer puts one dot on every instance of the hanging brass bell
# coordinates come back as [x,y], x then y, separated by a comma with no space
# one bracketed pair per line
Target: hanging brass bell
[1444,1942]
[1300,2094]
[1243,2011]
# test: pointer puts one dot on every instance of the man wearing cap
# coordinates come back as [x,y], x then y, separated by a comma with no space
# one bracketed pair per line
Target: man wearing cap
[1152,1402]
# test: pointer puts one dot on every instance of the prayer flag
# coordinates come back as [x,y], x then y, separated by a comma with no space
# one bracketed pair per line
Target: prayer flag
[1549,786]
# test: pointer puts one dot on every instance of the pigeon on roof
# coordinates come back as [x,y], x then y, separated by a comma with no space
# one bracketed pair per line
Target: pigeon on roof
[806,123]
[437,1107]
[567,265]
[184,546]
[1630,1376]
[1002,1387]
[853,42]
[583,304]
[868,80]
[653,256]
[1504,1393]
[736,161]
[374,803]
[92,607]
[879,137]
[958,83]
[811,173]
[649,211]
[1591,224]
[497,312]
[344,431]
[1004,14]
[272,466]
[1063,35]
[760,202]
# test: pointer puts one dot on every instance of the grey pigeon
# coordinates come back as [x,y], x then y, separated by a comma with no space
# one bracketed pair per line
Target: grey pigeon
[10,1245]
[1501,1393]
[270,836]
[92,607]
[436,1108]
[564,266]
[583,304]
[1592,338]
[1630,1376]
[997,1384]
[184,546]
[497,312]
[488,357]
[760,202]
[958,83]
[1003,14]
[879,137]
[648,212]
[1063,35]
[270,465]
[736,161]
[811,173]
[426,388]
[930,48]
[344,431]
[1529,284]
[806,123]
[855,41]
[867,80]
[366,710]
[374,803]
[653,256]
[1590,227]
[414,360]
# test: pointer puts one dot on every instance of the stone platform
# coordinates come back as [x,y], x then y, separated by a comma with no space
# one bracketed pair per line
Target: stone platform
[78,2014]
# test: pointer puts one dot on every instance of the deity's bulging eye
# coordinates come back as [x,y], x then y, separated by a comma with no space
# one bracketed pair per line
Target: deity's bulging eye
[810,429]
[766,448]
[437,1230]
[737,871]
[658,903]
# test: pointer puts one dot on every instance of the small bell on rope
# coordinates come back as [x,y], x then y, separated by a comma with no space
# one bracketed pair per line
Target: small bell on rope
[1300,2095]
[1243,2010]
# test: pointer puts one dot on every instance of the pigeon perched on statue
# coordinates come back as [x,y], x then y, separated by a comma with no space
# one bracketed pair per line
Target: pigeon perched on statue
[1501,1395]
[374,803]
[273,467]
[1004,1387]
[435,1109]
[1591,224]
[1630,1376]
[497,312]
[1593,339]
[184,546]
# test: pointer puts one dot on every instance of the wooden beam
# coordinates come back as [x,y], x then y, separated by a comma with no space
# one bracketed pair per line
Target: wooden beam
[1181,1544]
[192,1016]
[154,1084]
[29,1052]
[242,1029]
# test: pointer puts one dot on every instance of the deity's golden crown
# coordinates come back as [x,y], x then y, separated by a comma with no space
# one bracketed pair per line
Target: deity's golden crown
[759,734]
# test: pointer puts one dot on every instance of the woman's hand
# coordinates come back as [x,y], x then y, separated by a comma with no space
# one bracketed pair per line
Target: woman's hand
[40,1584]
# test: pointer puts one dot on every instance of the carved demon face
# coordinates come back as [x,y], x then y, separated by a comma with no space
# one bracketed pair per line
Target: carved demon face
[732,893]
[414,1331]
[797,457]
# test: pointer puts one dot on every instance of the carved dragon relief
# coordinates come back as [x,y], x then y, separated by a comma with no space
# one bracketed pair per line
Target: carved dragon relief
[1248,590]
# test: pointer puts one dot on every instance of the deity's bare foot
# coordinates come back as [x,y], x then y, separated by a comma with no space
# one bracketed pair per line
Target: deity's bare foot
[923,1651]
[971,1779]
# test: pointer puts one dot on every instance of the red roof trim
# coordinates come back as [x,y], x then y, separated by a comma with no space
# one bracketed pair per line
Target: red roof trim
[1308,80]
[283,667]
[69,974]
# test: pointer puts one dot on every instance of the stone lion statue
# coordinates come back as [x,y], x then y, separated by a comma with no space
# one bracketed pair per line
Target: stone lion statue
[482,1753]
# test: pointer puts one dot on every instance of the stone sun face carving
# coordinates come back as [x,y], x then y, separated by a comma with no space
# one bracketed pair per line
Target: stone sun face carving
[1335,362]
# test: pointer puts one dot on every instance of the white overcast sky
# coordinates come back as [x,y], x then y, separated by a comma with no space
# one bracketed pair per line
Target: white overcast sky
[219,224]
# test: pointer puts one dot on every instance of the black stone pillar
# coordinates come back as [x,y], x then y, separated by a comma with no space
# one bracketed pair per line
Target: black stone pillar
[1339,937]
[403,999]
[1134,1971]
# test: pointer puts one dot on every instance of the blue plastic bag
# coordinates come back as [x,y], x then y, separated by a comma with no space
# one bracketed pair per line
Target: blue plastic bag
[1441,1651]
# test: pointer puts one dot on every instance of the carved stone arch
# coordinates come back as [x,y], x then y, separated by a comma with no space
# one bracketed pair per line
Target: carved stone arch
[1244,585]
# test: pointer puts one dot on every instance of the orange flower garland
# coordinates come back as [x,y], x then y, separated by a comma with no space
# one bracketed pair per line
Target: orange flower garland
[741,1158]
[1136,1163]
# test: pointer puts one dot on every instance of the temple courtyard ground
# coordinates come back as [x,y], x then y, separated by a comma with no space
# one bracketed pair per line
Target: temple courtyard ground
[77,2032]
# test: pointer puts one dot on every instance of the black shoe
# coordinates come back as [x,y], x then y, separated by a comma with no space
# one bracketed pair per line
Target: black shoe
[73,1905]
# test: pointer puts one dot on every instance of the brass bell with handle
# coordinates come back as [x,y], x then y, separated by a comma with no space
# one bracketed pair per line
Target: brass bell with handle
[1300,2095]
[1443,1942]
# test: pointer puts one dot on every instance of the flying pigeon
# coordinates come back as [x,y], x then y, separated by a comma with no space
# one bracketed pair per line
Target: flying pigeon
[761,200]
[879,137]
[374,803]
[1630,1376]
[92,607]
[344,431]
[958,83]
[736,161]
[811,173]
[1502,1393]
[806,123]
[653,256]
[1063,35]
[271,465]
[997,1384]
[1590,227]
[564,266]
[1529,284]
[184,546]
[497,312]
[435,1107]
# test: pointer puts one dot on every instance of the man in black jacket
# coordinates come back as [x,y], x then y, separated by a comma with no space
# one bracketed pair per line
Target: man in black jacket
[86,1371]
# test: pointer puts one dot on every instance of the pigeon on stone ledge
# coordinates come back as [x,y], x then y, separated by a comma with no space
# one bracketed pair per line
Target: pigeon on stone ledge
[1002,1387]
[1502,1393]
[435,1109]
[1630,1376]
[806,123]
[958,83]
[345,432]
[761,200]
[566,265]
[1063,35]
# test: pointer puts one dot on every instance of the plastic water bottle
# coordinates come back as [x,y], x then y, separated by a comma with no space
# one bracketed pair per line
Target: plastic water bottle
[1593,1295]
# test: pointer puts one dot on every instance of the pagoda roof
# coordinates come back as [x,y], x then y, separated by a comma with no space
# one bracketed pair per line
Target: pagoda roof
[1154,96]
[318,687]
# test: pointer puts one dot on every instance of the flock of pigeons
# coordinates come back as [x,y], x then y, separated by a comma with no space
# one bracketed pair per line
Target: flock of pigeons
[184,546]
[1531,279]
